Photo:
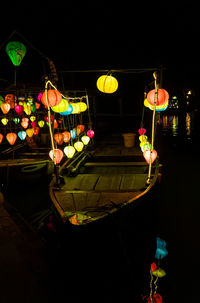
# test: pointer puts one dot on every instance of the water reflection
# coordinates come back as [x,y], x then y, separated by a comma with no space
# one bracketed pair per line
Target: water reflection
[170,124]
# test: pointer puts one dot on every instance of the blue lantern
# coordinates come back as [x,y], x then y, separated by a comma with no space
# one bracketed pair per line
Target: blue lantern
[22,135]
[73,133]
[68,111]
[161,250]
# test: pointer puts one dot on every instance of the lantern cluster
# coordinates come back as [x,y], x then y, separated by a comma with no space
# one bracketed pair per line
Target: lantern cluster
[146,146]
[160,100]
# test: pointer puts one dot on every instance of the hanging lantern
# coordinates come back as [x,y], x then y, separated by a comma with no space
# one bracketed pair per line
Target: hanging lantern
[19,109]
[90,133]
[33,107]
[78,146]
[162,96]
[16,52]
[85,140]
[46,118]
[73,133]
[159,273]
[4,121]
[147,154]
[69,151]
[5,107]
[22,134]
[25,122]
[39,96]
[32,118]
[37,105]
[78,131]
[145,145]
[54,97]
[107,84]
[81,127]
[143,138]
[11,99]
[56,155]
[27,108]
[55,123]
[36,130]
[82,106]
[1,138]
[75,107]
[11,137]
[142,131]
[16,120]
[68,111]
[30,132]
[34,124]
[41,123]
[66,136]
[161,250]
[61,107]
[156,298]
[59,138]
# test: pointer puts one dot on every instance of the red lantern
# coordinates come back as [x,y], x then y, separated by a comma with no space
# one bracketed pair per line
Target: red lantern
[58,153]
[54,97]
[90,133]
[1,138]
[19,109]
[59,138]
[147,154]
[153,266]
[11,99]
[162,96]
[11,137]
[5,107]
[67,136]
[37,105]
[46,118]
[141,131]
[81,127]
[156,298]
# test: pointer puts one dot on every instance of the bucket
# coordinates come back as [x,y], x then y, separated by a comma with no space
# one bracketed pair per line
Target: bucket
[129,139]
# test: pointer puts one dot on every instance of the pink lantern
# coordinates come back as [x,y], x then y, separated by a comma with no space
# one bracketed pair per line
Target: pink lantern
[56,156]
[142,131]
[19,109]
[147,154]
[33,124]
[90,133]
[1,138]
[162,96]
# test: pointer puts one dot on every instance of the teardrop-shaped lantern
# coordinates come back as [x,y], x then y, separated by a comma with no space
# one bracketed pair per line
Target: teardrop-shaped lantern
[107,84]
[69,151]
[147,153]
[16,52]
[79,146]
[68,111]
[143,138]
[56,155]
[30,132]
[11,99]
[41,123]
[59,138]
[54,97]
[162,96]
[19,109]
[85,140]
[32,118]
[33,107]
[81,127]
[25,122]
[90,133]
[1,138]
[61,107]
[142,131]
[22,134]
[73,133]
[11,137]
[16,120]
[34,124]
[67,136]
[4,121]
[27,108]
[5,107]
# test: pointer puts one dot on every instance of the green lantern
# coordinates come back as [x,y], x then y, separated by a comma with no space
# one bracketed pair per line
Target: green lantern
[16,52]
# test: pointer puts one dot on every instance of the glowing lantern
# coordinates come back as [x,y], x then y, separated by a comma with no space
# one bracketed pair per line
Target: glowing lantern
[37,105]
[59,138]
[5,107]
[22,134]
[76,109]
[16,120]
[11,137]
[46,118]
[153,266]
[1,138]
[54,97]
[4,121]
[143,138]
[82,106]
[36,130]
[156,298]
[61,107]
[79,146]
[162,96]
[68,111]
[69,151]
[21,98]
[73,133]
[11,99]
[78,131]
[34,124]
[159,273]
[107,84]
[27,108]
[30,132]
[41,123]
[56,155]
[33,107]
[90,133]
[85,140]
[32,118]
[147,154]
[81,127]
[142,131]
[161,250]
[55,124]
[16,52]
[25,122]
[67,136]
[19,109]
[30,99]
[145,145]
[39,96]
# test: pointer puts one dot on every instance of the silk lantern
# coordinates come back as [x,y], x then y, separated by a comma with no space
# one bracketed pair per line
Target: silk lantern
[142,131]
[107,84]
[11,137]
[82,106]
[34,124]
[11,99]
[78,146]
[27,108]
[73,133]
[68,111]
[30,132]
[85,140]
[59,138]
[25,122]
[19,109]
[4,121]
[66,136]
[1,138]
[61,107]
[22,134]
[90,133]
[156,298]
[36,130]
[162,96]
[69,151]
[32,118]
[76,109]
[54,97]
[16,120]
[81,127]
[5,107]
[56,155]
[159,273]
[147,154]
[16,52]
[145,145]
[161,250]
[41,123]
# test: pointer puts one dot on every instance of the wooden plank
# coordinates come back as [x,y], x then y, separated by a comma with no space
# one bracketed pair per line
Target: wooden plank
[127,182]
[140,181]
[81,182]
[65,200]
[107,164]
[116,198]
[108,183]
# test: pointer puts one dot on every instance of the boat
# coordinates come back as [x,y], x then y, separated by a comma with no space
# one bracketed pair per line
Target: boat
[100,182]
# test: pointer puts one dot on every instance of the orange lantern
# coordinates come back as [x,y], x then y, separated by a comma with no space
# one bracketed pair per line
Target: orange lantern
[11,137]
[59,138]
[54,97]
[147,154]
[162,96]
[55,124]
[36,130]
[81,127]
[5,107]
[1,138]
[30,132]
[56,155]
[25,122]
[11,99]
[67,136]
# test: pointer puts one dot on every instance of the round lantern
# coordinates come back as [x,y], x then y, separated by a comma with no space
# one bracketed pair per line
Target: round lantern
[78,146]
[1,138]
[85,140]
[4,121]
[11,99]
[22,134]
[19,109]
[107,84]
[56,155]
[69,151]
[147,154]
[68,111]
[162,96]
[11,137]
[76,109]
[54,97]
[66,136]
[61,107]
[82,106]
[90,133]
[59,138]
[30,132]
[41,123]
[5,107]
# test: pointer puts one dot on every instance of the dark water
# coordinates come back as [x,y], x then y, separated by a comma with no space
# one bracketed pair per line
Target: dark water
[109,260]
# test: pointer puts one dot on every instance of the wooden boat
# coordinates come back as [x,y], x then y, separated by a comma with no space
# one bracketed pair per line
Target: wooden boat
[96,184]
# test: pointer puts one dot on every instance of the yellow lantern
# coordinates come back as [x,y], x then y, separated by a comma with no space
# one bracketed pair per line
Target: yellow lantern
[30,132]
[85,140]
[4,121]
[146,103]
[32,118]
[41,123]
[107,84]
[143,138]
[69,151]
[79,146]
[61,107]
[82,106]
[76,109]
[27,108]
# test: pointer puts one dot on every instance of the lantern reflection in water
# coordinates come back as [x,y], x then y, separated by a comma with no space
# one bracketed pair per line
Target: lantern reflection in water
[170,125]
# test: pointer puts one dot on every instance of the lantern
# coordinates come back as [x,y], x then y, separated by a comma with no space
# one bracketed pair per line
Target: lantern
[147,154]
[76,109]
[39,96]
[90,133]
[107,84]
[162,96]
[143,138]
[5,107]
[54,97]
[4,121]
[19,109]
[85,140]
[22,134]
[25,122]
[36,130]
[66,136]
[156,298]
[159,272]
[56,155]
[11,137]
[69,151]
[142,131]
[41,123]
[61,107]
[153,266]
[32,118]
[73,133]
[30,132]
[33,107]
[78,131]
[1,100]
[27,108]
[21,99]
[145,145]
[82,106]
[37,105]
[16,52]
[68,111]
[55,124]
[47,118]
[59,138]
[1,138]
[78,146]
[81,127]
[161,250]
[16,120]
[34,124]
[11,99]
